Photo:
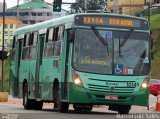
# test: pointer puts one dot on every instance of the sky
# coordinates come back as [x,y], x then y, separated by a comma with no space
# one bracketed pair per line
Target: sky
[11,3]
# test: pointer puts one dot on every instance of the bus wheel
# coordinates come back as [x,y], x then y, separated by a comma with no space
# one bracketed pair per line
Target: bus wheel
[88,108]
[79,108]
[61,106]
[27,103]
[124,109]
[38,105]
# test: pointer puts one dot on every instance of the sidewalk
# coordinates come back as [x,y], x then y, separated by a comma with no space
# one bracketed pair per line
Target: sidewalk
[12,100]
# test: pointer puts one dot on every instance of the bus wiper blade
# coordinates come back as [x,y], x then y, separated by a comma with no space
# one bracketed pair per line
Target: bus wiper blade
[102,40]
[126,37]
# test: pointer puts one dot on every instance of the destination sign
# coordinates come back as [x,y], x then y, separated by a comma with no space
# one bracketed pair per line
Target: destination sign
[123,22]
[111,21]
[93,20]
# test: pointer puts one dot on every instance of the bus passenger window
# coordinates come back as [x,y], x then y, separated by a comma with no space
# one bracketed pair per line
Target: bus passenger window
[14,42]
[33,46]
[50,35]
[25,53]
[57,48]
[58,42]
[61,33]
[13,54]
[32,52]
[27,39]
[35,38]
[49,43]
[49,49]
[55,35]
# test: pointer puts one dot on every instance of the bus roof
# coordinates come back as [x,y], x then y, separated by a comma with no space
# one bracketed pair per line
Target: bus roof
[60,21]
[45,24]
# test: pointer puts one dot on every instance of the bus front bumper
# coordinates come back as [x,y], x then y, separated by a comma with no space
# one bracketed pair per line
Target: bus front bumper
[81,95]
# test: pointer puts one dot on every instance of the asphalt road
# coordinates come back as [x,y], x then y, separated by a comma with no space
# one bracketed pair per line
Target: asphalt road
[16,111]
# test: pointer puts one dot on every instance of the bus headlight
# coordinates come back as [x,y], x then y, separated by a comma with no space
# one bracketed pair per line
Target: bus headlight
[145,84]
[76,79]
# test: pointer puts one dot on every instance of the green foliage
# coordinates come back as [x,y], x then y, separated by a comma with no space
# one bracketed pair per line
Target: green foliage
[79,5]
[155,22]
[155,28]
[6,75]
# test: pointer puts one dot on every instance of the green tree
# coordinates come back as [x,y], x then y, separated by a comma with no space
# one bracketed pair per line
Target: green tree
[79,5]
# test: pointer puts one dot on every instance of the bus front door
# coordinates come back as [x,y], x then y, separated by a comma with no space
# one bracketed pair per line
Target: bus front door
[38,74]
[17,66]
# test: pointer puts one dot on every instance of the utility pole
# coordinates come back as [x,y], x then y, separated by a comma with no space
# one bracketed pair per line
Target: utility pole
[4,7]
[17,9]
[115,5]
[86,1]
[130,7]
[148,4]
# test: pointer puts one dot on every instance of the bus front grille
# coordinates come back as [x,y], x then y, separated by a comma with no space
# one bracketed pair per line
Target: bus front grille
[114,89]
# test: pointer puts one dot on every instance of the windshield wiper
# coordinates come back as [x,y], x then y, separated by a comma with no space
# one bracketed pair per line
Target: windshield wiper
[126,37]
[102,40]
[121,44]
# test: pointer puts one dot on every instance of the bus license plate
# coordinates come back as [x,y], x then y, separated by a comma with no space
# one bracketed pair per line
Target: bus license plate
[111,97]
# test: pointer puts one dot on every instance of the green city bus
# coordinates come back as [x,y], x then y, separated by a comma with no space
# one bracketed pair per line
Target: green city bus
[82,59]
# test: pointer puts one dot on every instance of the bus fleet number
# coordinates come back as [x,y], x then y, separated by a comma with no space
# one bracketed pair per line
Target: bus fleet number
[131,84]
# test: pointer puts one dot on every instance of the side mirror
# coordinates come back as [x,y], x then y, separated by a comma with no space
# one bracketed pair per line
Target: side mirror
[71,35]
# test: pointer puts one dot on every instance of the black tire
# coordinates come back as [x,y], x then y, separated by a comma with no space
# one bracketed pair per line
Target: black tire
[27,103]
[77,108]
[88,109]
[38,105]
[55,96]
[124,109]
[61,106]
[85,108]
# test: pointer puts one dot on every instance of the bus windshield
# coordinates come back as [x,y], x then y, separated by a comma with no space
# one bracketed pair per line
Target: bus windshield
[91,55]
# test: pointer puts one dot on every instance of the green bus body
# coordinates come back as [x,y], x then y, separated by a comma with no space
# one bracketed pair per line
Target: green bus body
[42,72]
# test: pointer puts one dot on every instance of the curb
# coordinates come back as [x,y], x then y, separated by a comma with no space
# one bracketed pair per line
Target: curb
[3,96]
[152,108]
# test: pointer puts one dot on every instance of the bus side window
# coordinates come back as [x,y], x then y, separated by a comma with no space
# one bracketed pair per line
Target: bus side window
[13,51]
[33,44]
[35,38]
[55,36]
[13,54]
[50,35]
[58,41]
[61,33]
[25,53]
[49,43]
[14,42]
